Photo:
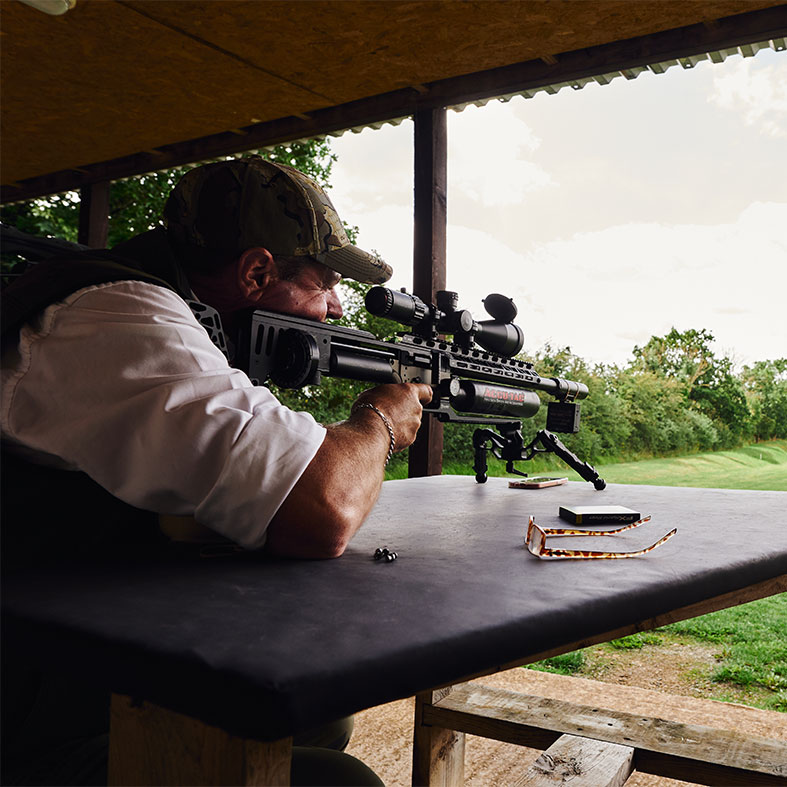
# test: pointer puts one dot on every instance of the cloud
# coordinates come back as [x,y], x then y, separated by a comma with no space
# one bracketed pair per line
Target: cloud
[388,153]
[488,149]
[603,292]
[758,94]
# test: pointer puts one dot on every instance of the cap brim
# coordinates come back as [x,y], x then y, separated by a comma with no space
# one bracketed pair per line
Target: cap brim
[355,263]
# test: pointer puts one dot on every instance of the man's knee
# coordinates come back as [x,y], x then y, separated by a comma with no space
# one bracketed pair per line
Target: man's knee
[333,735]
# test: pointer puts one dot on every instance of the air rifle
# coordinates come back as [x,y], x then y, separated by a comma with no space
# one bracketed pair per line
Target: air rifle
[474,376]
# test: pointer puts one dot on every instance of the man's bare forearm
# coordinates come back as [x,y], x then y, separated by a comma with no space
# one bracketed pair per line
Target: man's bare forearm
[340,486]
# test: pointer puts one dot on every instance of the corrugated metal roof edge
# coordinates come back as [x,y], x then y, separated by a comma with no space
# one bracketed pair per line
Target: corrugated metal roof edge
[717,56]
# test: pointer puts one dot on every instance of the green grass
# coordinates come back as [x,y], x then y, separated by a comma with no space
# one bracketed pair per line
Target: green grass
[758,466]
[637,641]
[749,649]
[753,640]
[565,664]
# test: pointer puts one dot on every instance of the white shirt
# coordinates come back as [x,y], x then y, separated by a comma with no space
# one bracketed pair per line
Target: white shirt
[121,382]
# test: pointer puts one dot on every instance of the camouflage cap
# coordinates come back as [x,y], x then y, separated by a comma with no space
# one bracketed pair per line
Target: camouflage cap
[230,206]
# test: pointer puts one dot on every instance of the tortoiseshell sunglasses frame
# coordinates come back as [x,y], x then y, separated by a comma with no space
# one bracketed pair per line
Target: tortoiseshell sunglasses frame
[542,551]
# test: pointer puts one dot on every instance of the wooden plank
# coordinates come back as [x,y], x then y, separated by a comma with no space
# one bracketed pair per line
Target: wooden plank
[149,745]
[691,752]
[438,754]
[429,263]
[695,39]
[580,761]
[94,215]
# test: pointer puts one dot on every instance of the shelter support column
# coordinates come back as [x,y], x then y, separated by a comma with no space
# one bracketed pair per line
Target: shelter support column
[429,253]
[94,215]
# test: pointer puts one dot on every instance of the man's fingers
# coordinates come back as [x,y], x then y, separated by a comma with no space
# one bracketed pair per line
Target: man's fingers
[425,393]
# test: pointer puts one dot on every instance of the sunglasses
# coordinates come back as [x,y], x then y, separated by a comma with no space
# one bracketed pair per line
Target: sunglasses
[537,536]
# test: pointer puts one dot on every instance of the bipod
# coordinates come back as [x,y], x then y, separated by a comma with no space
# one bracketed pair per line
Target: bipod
[509,446]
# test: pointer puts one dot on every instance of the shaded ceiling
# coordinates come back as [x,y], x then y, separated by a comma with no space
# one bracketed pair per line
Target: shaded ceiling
[131,82]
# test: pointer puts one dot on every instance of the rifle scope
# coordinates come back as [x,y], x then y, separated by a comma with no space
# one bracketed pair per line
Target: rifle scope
[498,335]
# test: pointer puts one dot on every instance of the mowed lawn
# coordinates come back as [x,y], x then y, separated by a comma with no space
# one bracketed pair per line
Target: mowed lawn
[758,466]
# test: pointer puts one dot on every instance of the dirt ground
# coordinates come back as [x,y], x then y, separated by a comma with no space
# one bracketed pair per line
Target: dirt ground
[383,736]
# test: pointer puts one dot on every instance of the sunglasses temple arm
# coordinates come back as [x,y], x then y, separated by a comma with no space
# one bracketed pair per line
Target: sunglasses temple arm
[578,553]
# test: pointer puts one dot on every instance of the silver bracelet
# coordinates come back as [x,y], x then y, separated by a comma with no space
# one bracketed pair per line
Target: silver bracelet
[387,423]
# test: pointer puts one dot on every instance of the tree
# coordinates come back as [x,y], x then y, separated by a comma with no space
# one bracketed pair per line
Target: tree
[708,383]
[136,204]
[765,384]
[685,357]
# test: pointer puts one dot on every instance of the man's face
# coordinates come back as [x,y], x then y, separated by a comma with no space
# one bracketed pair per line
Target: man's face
[309,292]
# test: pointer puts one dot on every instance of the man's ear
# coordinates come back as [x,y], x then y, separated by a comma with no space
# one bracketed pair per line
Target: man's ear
[256,270]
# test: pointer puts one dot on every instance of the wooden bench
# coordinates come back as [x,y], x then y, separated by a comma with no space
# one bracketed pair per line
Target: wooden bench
[600,745]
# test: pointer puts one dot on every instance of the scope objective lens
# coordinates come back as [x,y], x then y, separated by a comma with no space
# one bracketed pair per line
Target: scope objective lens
[395,305]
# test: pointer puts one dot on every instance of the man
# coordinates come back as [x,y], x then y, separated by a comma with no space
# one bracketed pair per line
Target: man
[117,402]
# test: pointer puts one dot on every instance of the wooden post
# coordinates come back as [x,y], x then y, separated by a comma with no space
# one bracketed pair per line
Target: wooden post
[149,745]
[94,215]
[431,156]
[438,753]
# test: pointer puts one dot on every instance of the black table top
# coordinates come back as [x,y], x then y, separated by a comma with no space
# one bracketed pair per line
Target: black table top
[265,648]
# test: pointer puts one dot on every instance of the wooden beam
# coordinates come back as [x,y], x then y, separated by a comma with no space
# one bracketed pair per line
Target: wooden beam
[692,752]
[429,265]
[748,28]
[574,760]
[94,215]
[149,745]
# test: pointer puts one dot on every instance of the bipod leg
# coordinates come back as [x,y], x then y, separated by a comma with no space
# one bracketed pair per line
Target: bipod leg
[483,440]
[553,444]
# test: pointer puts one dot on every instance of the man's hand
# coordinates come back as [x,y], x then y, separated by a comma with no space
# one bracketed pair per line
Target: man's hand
[401,403]
[339,488]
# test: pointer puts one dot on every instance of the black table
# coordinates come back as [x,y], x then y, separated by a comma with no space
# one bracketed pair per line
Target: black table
[263,648]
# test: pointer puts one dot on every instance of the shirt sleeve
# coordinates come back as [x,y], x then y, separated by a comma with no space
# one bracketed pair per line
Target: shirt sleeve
[121,382]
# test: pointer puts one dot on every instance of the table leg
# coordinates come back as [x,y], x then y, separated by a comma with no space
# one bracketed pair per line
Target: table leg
[149,745]
[438,753]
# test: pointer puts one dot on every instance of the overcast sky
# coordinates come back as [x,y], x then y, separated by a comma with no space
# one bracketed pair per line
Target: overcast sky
[610,214]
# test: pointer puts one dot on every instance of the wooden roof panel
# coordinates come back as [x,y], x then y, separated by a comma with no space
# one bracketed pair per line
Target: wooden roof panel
[343,50]
[113,78]
[123,84]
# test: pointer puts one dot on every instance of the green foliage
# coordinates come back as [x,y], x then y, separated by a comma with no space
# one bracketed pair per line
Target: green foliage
[136,204]
[684,357]
[765,386]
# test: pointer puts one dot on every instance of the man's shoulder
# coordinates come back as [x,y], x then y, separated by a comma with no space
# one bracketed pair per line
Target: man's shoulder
[53,280]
